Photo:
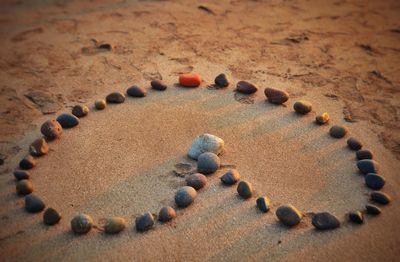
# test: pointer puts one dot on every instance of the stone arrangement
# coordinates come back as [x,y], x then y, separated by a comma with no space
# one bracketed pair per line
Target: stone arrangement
[205,150]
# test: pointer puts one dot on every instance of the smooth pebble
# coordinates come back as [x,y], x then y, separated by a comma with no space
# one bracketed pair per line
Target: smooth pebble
[51,216]
[21,174]
[208,163]
[221,80]
[245,189]
[100,104]
[325,221]
[302,107]
[337,131]
[115,98]
[197,181]
[27,162]
[205,143]
[51,129]
[263,203]
[39,147]
[356,217]
[185,196]
[354,144]
[144,222]
[322,119]
[368,166]
[33,204]
[158,85]
[136,91]
[190,80]
[24,187]
[166,214]
[372,209]
[114,225]
[80,110]
[276,96]
[289,215]
[380,197]
[245,87]
[374,181]
[364,154]
[67,120]
[231,177]
[81,224]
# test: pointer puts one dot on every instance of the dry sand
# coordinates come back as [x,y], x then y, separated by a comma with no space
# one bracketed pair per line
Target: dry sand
[119,161]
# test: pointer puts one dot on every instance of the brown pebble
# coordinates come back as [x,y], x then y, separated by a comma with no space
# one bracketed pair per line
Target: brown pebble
[276,96]
[245,87]
[24,187]
[51,129]
[51,216]
[39,147]
[158,85]
[322,119]
[27,162]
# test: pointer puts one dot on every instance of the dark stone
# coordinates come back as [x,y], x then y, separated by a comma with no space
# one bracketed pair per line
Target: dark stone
[21,174]
[100,104]
[115,98]
[51,129]
[354,144]
[374,181]
[67,120]
[144,222]
[136,91]
[158,85]
[51,216]
[221,80]
[197,180]
[185,196]
[288,215]
[325,221]
[372,209]
[231,177]
[276,96]
[364,154]
[380,197]
[24,187]
[367,166]
[245,189]
[245,87]
[337,131]
[263,203]
[356,217]
[166,214]
[27,162]
[80,110]
[39,147]
[81,224]
[208,163]
[33,204]
[114,225]
[302,107]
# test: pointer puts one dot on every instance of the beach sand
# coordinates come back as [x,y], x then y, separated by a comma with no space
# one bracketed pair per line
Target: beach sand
[341,56]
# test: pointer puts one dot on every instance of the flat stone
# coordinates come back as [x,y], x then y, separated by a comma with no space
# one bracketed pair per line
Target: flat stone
[231,177]
[51,216]
[380,197]
[325,221]
[367,166]
[33,204]
[208,163]
[197,181]
[115,98]
[67,120]
[136,91]
[354,144]
[51,129]
[245,189]
[205,143]
[185,196]
[144,222]
[374,181]
[39,147]
[288,215]
[166,214]
[81,224]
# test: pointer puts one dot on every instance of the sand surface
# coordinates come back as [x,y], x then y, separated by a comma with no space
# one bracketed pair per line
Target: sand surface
[119,161]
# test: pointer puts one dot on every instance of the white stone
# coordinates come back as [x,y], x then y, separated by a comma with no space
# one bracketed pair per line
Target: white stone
[205,143]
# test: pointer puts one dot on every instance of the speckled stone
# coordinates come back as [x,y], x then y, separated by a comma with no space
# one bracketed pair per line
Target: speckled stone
[197,181]
[208,163]
[337,131]
[67,120]
[245,189]
[80,110]
[24,187]
[263,203]
[276,96]
[136,91]
[205,143]
[356,217]
[81,224]
[51,216]
[185,196]
[27,163]
[158,85]
[115,98]
[221,80]
[325,221]
[322,119]
[354,144]
[39,147]
[231,177]
[114,225]
[374,181]
[245,87]
[144,222]
[367,166]
[289,215]
[51,129]
[166,214]
[100,104]
[372,209]
[380,197]
[21,174]
[33,204]
[364,154]
[302,107]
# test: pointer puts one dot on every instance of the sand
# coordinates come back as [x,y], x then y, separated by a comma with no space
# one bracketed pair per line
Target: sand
[119,162]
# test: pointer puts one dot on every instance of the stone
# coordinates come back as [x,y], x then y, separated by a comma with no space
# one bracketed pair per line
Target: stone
[337,131]
[115,98]
[322,119]
[354,144]
[114,225]
[27,163]
[80,110]
[368,166]
[231,177]
[372,209]
[208,163]
[221,80]
[67,120]
[33,204]
[302,107]
[205,143]
[51,216]
[197,181]
[51,129]
[24,187]
[136,91]
[374,181]
[356,217]
[185,196]
[325,221]
[276,96]
[245,189]
[166,214]
[190,80]
[245,87]
[81,224]
[39,147]
[264,204]
[364,154]
[380,197]
[100,104]
[144,222]
[158,85]
[289,215]
[21,174]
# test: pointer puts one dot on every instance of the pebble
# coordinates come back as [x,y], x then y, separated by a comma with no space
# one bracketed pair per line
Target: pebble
[322,119]
[288,215]
[114,225]
[276,96]
[245,87]
[263,203]
[81,224]
[158,85]
[325,221]
[208,163]
[368,166]
[100,104]
[302,107]
[115,98]
[221,80]
[337,131]
[144,222]
[380,197]
[51,129]
[39,147]
[231,177]
[374,181]
[356,217]
[24,187]
[27,162]
[245,189]
[80,110]
[67,120]
[185,196]
[190,80]
[205,143]
[166,214]
[21,174]
[197,181]
[364,154]
[372,209]
[136,91]
[33,204]
[354,144]
[51,216]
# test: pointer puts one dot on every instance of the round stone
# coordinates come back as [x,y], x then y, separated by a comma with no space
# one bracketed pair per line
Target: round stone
[185,196]
[27,162]
[263,203]
[322,119]
[325,221]
[288,215]
[356,217]
[364,154]
[24,187]
[100,104]
[80,110]
[33,204]
[372,209]
[231,177]
[166,214]
[115,98]
[205,143]
[67,120]
[380,197]
[39,147]
[245,87]
[245,189]
[368,166]
[114,225]
[208,163]
[190,80]
[197,181]
[158,85]
[337,131]
[144,222]
[21,174]
[302,107]
[221,80]
[374,181]
[136,91]
[354,144]
[51,129]
[276,96]
[81,224]
[51,216]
